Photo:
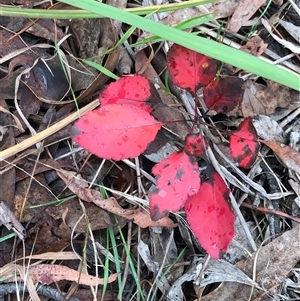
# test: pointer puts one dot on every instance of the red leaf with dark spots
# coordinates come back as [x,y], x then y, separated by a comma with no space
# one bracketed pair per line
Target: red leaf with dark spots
[190,70]
[195,145]
[177,178]
[244,145]
[132,89]
[224,94]
[209,214]
[116,131]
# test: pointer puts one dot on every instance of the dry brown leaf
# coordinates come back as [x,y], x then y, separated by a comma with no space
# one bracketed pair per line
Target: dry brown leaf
[261,100]
[223,8]
[287,155]
[244,11]
[255,46]
[271,264]
[274,96]
[49,273]
[139,216]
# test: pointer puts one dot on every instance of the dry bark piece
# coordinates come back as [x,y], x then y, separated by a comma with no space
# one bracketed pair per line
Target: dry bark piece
[8,177]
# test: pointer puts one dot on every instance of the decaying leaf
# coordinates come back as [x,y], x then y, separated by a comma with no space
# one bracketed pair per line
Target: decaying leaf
[244,144]
[287,155]
[255,46]
[49,273]
[195,145]
[268,129]
[244,11]
[223,95]
[272,262]
[139,216]
[275,95]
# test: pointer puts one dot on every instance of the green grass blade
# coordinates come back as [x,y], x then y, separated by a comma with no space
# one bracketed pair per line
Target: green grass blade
[211,48]
[101,69]
[105,268]
[79,14]
[117,261]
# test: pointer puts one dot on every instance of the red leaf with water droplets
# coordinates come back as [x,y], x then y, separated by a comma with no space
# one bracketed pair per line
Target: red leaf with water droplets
[209,214]
[190,70]
[132,89]
[116,131]
[195,145]
[244,145]
[224,94]
[177,178]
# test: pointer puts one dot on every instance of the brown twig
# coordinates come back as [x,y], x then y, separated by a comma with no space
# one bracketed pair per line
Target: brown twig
[268,211]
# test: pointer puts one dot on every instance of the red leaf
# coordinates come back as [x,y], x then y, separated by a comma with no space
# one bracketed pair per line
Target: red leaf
[210,216]
[189,69]
[194,145]
[116,131]
[244,144]
[133,89]
[223,95]
[177,178]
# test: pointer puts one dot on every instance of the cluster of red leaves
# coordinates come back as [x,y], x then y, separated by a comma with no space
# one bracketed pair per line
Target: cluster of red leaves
[123,127]
[191,70]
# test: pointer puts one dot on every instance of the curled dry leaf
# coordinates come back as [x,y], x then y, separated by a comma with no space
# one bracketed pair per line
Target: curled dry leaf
[244,144]
[49,273]
[209,214]
[255,46]
[177,177]
[268,129]
[287,155]
[139,216]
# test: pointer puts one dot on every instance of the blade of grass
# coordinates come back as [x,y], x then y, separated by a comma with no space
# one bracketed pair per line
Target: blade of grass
[105,268]
[211,48]
[131,264]
[101,69]
[190,23]
[81,14]
[117,261]
[6,237]
[168,270]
